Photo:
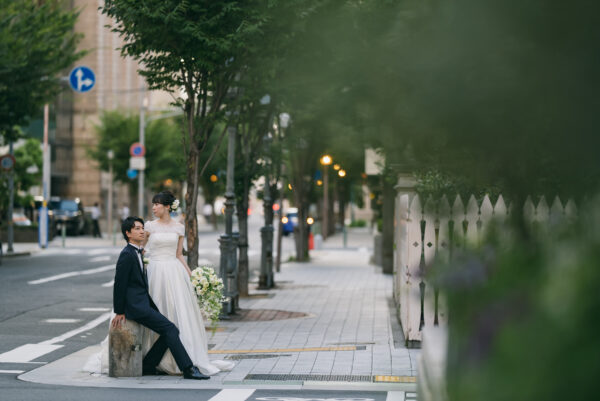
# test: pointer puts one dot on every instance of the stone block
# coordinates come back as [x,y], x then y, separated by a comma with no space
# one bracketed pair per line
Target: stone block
[125,350]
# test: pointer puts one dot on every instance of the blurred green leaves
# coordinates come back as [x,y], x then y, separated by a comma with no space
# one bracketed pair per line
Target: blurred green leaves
[117,132]
[37,44]
[522,320]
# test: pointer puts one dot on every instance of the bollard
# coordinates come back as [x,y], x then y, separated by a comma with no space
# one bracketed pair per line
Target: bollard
[125,350]
[63,233]
[318,239]
[114,234]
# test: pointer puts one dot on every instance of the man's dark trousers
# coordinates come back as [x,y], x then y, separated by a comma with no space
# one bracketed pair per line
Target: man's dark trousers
[169,338]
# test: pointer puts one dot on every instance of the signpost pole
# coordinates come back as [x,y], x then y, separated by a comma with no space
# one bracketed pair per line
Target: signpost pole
[11,199]
[43,223]
[142,139]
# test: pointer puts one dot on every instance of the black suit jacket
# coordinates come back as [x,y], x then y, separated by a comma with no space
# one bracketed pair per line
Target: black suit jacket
[130,292]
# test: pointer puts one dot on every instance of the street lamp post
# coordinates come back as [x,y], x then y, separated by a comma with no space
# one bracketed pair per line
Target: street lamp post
[284,119]
[265,279]
[325,161]
[342,174]
[228,242]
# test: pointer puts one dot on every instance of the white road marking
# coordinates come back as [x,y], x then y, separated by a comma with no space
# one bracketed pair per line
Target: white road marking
[62,320]
[72,274]
[105,258]
[29,352]
[96,251]
[109,284]
[18,372]
[72,251]
[69,334]
[395,396]
[233,395]
[94,309]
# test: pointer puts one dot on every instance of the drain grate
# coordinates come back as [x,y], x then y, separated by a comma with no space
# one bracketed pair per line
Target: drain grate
[255,356]
[320,378]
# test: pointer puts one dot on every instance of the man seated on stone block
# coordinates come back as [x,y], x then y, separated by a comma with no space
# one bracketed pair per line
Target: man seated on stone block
[131,300]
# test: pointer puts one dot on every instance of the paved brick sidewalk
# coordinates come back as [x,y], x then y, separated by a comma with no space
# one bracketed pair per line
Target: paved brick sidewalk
[347,305]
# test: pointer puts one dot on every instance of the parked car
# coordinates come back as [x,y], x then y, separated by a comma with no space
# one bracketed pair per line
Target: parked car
[67,212]
[290,220]
[19,219]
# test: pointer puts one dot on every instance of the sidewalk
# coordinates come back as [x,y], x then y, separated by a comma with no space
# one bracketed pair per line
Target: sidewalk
[328,324]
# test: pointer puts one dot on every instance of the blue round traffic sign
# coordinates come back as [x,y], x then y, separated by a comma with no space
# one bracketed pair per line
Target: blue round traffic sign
[7,162]
[137,150]
[82,79]
[132,173]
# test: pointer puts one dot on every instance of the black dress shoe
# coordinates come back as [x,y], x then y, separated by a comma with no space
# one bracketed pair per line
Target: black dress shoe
[193,373]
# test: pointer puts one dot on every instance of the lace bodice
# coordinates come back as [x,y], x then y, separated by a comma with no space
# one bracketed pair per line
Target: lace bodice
[162,243]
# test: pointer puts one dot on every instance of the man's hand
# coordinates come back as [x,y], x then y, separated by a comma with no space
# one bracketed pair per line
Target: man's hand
[117,321]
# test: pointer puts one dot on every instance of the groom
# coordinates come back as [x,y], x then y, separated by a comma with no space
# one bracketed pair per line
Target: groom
[131,300]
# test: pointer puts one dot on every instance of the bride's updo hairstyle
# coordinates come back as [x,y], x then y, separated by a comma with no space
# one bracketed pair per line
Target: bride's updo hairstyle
[164,198]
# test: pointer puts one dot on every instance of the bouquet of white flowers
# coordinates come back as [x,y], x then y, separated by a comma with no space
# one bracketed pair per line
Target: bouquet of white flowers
[209,291]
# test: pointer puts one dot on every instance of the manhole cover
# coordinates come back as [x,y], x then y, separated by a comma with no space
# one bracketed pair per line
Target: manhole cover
[251,315]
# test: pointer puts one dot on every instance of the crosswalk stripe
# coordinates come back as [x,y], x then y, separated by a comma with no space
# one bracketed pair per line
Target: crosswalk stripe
[94,309]
[395,396]
[233,395]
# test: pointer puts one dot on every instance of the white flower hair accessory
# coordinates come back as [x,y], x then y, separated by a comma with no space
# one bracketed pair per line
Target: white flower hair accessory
[175,205]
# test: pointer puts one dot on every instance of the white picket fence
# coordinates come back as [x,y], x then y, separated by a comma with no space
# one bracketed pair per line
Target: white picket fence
[422,233]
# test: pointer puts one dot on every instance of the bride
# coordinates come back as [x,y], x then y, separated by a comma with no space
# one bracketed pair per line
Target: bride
[172,291]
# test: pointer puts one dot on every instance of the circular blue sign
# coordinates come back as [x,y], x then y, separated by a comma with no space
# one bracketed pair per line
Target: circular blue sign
[82,79]
[132,173]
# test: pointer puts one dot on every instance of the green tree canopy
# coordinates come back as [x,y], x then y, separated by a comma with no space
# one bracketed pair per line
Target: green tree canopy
[194,47]
[37,43]
[117,131]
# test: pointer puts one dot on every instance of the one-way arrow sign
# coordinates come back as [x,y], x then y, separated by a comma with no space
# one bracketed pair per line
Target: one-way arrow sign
[82,79]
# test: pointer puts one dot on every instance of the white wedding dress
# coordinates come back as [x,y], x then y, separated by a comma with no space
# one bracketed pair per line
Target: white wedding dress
[172,292]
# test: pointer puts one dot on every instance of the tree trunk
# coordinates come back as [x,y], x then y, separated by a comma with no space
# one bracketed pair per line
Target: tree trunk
[387,245]
[243,260]
[191,220]
[301,236]
[331,215]
[341,212]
